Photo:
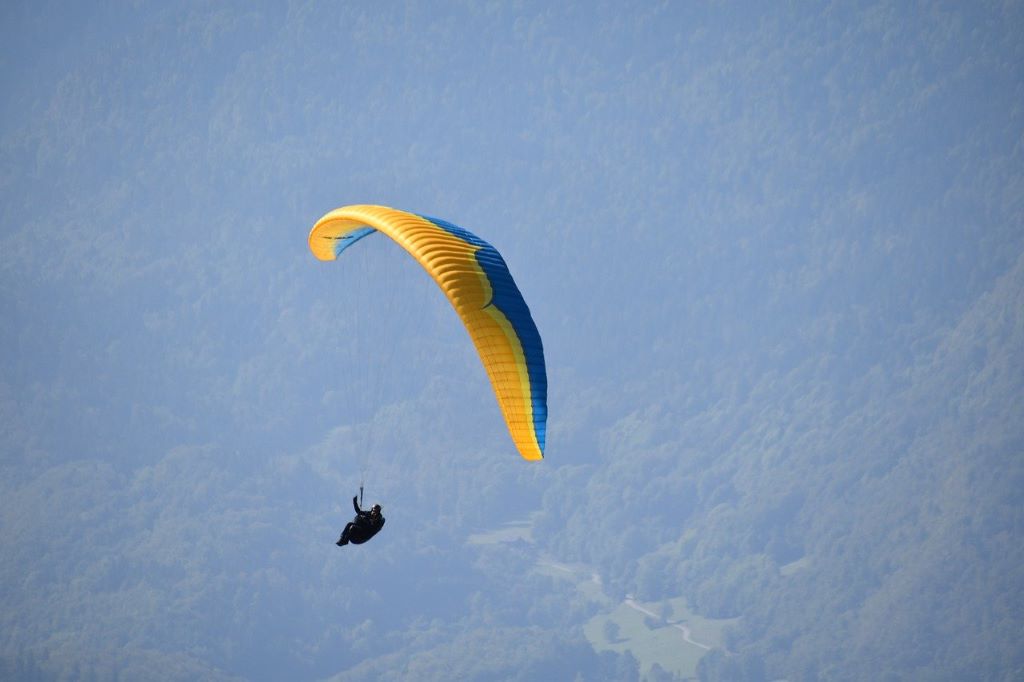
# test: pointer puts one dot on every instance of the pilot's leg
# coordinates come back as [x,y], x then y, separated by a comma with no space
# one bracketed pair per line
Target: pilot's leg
[343,540]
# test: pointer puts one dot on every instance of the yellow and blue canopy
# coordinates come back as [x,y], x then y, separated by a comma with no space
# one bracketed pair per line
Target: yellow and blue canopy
[475,279]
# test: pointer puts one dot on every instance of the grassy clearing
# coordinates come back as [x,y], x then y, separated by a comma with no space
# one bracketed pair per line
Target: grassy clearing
[664,643]
[587,583]
[793,567]
[624,626]
[509,532]
[704,630]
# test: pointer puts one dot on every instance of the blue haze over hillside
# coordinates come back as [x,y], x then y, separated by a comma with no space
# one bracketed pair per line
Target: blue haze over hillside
[776,255]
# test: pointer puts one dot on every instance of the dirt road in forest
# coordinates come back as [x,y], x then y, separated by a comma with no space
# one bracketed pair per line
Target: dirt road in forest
[630,602]
[682,627]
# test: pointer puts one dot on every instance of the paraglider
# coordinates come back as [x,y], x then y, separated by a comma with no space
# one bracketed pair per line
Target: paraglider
[476,281]
[364,526]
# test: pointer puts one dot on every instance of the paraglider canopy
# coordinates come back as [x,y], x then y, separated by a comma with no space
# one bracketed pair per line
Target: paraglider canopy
[476,281]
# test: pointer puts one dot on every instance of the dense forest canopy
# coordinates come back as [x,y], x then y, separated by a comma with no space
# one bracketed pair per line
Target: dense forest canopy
[776,255]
